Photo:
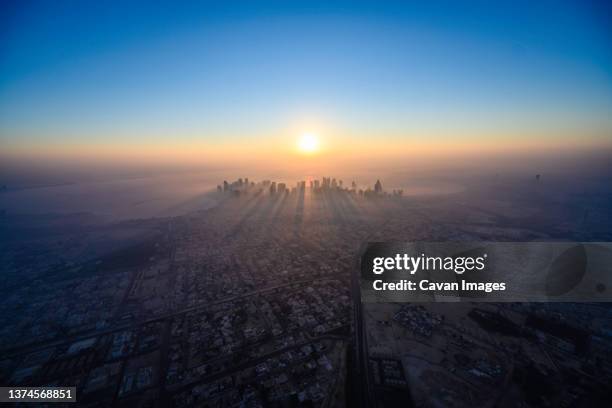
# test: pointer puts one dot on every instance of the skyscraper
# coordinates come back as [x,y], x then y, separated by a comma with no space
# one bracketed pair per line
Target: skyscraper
[378,187]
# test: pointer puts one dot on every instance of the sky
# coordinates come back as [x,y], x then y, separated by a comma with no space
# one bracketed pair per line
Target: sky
[214,80]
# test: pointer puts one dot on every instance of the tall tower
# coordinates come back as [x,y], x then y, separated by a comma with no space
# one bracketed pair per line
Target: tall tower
[378,187]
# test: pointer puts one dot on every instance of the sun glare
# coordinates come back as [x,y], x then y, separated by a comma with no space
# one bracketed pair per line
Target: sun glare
[308,143]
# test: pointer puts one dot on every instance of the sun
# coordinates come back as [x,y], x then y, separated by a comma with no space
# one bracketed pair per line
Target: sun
[308,143]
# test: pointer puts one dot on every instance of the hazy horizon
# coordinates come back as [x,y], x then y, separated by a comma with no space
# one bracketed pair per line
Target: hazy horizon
[170,101]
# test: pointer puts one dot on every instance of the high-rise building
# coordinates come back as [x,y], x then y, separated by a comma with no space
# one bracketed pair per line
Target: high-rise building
[378,187]
[326,183]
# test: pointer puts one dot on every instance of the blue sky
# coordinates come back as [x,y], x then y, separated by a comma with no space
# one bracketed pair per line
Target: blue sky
[80,71]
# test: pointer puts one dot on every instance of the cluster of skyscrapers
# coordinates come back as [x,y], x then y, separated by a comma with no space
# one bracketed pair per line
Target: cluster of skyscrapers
[326,184]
